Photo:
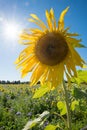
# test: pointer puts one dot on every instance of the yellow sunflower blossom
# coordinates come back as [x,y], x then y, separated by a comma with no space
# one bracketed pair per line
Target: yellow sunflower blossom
[50,51]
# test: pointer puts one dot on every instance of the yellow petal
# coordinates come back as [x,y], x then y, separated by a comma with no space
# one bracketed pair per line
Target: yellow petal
[37,73]
[28,37]
[26,53]
[28,66]
[40,21]
[34,16]
[36,31]
[61,19]
[49,21]
[74,42]
[68,68]
[72,34]
[54,78]
[53,18]
[37,21]
[44,76]
[25,42]
[55,75]
[70,65]
[23,62]
[65,31]
[76,57]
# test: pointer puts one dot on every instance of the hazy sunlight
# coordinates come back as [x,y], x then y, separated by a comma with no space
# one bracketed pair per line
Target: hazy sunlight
[11,30]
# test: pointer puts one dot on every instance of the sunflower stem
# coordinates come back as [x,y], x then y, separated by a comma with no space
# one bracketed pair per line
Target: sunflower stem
[67,107]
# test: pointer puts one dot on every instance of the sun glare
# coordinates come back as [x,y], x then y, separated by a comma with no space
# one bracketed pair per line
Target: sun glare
[11,31]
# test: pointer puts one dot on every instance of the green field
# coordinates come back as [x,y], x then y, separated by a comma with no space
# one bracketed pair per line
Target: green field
[17,107]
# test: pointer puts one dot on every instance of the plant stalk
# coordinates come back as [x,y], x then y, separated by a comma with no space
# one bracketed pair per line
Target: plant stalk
[67,107]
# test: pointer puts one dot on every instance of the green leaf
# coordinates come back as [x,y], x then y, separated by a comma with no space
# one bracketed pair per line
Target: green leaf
[79,94]
[41,91]
[74,104]
[62,107]
[50,127]
[81,77]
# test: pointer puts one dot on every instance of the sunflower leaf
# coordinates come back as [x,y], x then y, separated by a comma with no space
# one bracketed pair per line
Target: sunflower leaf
[79,94]
[50,127]
[74,104]
[81,77]
[41,91]
[62,107]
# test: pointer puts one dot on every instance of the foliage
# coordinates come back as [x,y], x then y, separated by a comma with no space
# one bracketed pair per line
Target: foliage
[17,107]
[51,127]
[62,107]
[41,91]
[81,78]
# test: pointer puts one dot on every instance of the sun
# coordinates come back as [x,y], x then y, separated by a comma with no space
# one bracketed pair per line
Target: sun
[11,30]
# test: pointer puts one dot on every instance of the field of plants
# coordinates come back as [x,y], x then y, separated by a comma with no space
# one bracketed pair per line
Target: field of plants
[17,107]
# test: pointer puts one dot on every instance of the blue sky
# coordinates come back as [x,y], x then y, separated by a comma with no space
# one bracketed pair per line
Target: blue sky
[16,12]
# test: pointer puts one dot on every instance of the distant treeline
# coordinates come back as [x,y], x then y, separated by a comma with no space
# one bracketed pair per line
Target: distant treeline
[25,82]
[13,82]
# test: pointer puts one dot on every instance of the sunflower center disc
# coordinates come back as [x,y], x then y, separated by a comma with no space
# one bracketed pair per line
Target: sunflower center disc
[51,49]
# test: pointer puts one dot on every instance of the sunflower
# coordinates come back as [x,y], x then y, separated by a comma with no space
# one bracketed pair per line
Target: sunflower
[50,51]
